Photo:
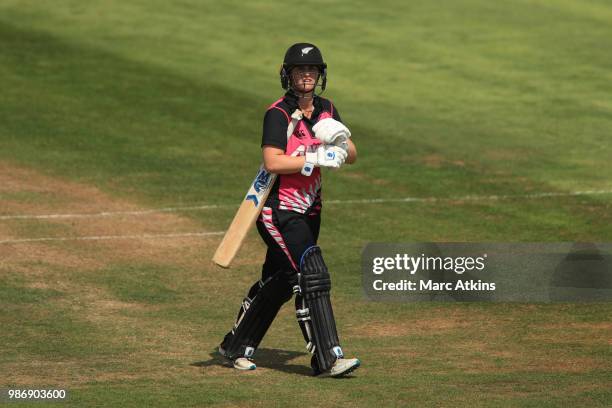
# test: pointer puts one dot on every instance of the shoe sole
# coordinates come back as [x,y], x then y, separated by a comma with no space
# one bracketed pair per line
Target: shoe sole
[251,368]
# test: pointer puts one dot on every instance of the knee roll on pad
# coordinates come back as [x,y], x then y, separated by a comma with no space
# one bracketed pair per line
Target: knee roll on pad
[258,311]
[314,310]
[314,276]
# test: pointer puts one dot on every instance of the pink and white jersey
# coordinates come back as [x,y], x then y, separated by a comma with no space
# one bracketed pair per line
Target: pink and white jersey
[295,192]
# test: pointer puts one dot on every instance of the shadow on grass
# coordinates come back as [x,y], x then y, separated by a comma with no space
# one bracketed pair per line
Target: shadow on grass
[274,359]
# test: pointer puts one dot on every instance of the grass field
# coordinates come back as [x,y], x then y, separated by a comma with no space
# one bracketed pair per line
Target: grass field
[119,106]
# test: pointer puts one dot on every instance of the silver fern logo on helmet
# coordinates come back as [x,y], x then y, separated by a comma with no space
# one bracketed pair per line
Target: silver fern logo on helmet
[306,50]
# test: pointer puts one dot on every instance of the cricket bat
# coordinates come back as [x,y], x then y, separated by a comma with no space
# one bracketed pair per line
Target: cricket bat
[245,217]
[249,210]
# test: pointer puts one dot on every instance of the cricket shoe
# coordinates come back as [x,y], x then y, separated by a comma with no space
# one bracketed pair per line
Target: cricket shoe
[241,363]
[341,367]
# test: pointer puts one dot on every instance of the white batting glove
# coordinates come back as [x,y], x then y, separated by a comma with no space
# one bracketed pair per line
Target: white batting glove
[324,156]
[342,143]
[335,151]
[331,131]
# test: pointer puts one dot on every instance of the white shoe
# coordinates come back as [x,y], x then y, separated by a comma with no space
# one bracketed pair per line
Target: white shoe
[243,363]
[341,367]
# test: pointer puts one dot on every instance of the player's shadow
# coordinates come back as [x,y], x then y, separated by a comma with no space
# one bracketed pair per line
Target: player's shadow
[274,359]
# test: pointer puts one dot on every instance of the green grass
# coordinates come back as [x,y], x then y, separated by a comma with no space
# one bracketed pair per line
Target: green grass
[139,283]
[160,103]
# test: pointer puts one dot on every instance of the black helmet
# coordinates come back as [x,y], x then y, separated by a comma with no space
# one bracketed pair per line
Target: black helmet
[302,54]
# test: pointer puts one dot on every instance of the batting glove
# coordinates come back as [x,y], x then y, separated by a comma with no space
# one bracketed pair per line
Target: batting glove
[324,156]
[331,131]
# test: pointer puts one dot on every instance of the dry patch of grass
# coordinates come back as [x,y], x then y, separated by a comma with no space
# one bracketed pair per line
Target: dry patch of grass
[476,343]
[573,332]
[45,194]
[77,198]
[36,259]
[416,327]
[435,321]
[60,265]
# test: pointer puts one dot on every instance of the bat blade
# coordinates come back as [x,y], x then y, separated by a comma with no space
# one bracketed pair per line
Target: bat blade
[245,217]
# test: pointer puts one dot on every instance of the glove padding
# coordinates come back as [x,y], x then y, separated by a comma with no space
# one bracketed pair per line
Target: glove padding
[332,132]
[327,156]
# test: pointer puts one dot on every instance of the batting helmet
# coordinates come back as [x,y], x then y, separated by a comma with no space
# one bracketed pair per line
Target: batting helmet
[302,54]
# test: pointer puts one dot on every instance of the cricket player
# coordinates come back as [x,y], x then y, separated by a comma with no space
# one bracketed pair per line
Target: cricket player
[290,219]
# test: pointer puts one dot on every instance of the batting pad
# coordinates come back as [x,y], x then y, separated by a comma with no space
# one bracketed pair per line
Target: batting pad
[314,309]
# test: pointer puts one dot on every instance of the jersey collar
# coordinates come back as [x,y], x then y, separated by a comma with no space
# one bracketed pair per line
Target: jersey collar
[292,101]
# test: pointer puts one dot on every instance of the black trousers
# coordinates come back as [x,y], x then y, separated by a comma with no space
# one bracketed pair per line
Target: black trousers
[288,235]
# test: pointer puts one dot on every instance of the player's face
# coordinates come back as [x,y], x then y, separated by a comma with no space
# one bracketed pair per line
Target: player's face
[304,77]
